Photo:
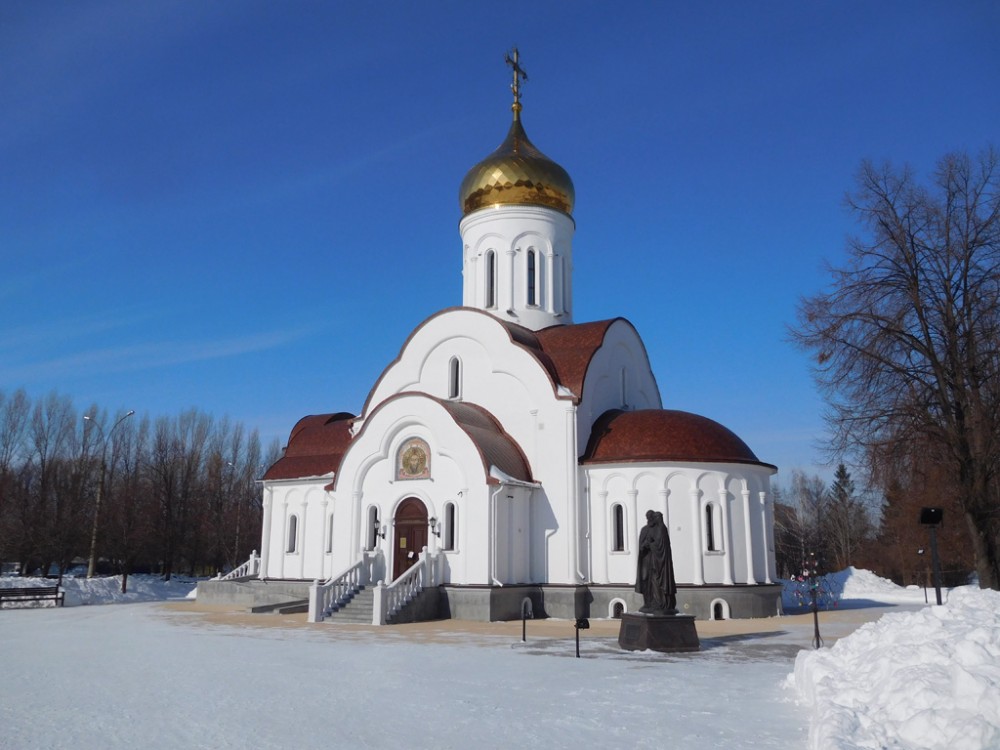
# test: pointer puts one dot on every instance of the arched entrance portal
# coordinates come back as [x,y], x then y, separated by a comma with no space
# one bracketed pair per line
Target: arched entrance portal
[409,535]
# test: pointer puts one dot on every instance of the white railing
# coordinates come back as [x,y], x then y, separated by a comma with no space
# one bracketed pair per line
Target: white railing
[336,590]
[251,568]
[392,598]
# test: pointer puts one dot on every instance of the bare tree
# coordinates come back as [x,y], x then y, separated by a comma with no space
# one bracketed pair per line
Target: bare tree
[14,413]
[907,339]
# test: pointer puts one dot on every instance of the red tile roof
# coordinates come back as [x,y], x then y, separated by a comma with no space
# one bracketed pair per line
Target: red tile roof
[664,435]
[496,447]
[315,447]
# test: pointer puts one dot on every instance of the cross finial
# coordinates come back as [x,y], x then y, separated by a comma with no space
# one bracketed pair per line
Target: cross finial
[513,60]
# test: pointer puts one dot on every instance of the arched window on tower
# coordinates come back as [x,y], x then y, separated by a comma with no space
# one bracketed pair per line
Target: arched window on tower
[491,279]
[623,383]
[532,277]
[293,534]
[455,378]
[617,528]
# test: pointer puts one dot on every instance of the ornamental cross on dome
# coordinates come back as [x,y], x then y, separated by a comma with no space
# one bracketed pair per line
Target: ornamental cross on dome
[513,60]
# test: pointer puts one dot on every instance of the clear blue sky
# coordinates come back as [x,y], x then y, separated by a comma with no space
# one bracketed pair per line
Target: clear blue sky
[246,206]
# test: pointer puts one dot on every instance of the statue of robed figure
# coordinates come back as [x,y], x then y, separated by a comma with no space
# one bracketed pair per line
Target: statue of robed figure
[655,574]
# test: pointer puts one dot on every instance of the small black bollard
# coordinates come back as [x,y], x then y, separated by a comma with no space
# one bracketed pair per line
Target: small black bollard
[582,623]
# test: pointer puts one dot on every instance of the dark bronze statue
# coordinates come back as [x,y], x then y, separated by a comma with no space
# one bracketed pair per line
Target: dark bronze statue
[655,575]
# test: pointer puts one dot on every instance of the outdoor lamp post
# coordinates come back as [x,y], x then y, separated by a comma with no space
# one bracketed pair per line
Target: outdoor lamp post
[931,518]
[92,563]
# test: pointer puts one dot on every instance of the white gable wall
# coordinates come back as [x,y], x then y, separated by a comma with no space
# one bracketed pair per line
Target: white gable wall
[508,382]
[619,377]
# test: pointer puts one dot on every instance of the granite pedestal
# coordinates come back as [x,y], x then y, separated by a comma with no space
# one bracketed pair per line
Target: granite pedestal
[667,633]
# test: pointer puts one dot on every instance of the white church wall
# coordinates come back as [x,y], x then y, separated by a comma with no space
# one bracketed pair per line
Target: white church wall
[714,537]
[619,376]
[683,493]
[739,529]
[510,384]
[685,534]
[368,473]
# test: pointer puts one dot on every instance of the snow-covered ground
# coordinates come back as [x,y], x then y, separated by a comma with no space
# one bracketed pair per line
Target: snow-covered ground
[107,590]
[154,677]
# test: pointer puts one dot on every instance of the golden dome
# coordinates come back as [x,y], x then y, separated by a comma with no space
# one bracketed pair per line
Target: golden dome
[516,173]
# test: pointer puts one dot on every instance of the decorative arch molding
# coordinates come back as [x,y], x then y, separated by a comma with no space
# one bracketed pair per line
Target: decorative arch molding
[488,241]
[612,476]
[533,238]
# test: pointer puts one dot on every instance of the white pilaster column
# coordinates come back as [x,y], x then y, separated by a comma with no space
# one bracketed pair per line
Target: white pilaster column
[300,543]
[283,542]
[748,534]
[727,538]
[633,513]
[470,280]
[768,536]
[265,537]
[357,533]
[325,540]
[547,280]
[698,555]
[605,533]
[508,302]
[665,507]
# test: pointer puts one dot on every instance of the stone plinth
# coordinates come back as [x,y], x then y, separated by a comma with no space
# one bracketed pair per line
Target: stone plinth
[667,633]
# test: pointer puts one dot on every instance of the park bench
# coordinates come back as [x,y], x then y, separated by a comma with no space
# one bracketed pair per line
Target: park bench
[32,594]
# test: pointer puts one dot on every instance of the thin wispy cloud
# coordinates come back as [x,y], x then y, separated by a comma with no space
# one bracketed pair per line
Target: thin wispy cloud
[149,356]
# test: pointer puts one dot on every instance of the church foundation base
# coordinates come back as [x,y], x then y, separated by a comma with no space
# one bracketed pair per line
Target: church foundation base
[669,634]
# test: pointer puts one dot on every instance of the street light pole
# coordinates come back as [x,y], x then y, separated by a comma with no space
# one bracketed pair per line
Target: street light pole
[92,563]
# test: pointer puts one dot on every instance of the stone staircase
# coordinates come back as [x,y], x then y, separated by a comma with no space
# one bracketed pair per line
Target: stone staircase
[357,610]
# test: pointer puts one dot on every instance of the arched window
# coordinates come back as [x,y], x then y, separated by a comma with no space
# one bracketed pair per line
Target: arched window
[293,534]
[617,528]
[491,279]
[623,384]
[711,530]
[373,529]
[454,378]
[329,533]
[532,277]
[448,533]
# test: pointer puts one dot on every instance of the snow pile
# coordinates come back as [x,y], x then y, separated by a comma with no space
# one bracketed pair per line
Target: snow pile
[925,679]
[104,590]
[850,585]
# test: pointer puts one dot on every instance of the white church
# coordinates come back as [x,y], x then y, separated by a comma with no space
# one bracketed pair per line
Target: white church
[504,462]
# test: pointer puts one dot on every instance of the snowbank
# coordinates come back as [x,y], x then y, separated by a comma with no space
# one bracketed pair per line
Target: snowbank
[106,590]
[851,587]
[925,679]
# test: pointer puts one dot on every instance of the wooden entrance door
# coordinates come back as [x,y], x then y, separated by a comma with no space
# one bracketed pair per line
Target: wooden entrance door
[409,535]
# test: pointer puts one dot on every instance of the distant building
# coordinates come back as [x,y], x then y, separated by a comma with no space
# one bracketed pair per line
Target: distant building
[511,454]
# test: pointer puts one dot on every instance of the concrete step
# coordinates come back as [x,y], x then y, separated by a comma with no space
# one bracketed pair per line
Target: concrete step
[356,611]
[281,607]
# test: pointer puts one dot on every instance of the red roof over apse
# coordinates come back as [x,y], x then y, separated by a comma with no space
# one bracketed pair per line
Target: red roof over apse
[664,435]
[315,447]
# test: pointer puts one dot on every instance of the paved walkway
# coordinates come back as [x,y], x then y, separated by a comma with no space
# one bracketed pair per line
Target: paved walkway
[797,629]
